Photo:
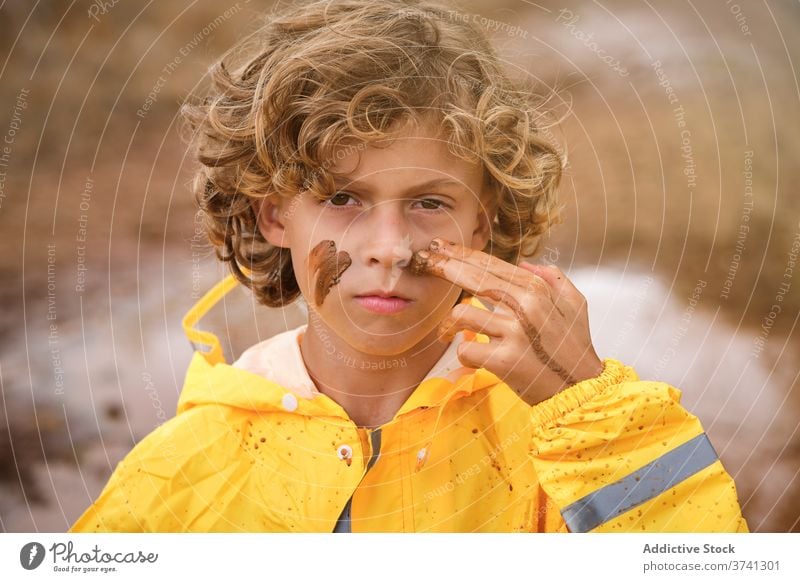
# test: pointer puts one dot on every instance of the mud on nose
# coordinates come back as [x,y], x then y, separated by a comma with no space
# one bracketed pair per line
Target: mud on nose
[402,252]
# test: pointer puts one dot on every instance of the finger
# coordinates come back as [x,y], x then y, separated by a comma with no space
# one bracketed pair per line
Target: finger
[476,355]
[466,317]
[525,279]
[507,298]
[473,279]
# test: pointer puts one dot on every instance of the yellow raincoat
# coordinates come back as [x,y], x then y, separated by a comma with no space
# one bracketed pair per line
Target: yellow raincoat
[256,447]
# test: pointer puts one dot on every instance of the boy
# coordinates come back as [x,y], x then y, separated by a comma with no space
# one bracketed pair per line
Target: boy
[374,158]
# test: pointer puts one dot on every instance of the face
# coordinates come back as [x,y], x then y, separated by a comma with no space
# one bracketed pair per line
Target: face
[392,201]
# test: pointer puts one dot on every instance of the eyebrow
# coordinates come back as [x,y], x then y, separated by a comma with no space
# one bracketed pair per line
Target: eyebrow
[343,182]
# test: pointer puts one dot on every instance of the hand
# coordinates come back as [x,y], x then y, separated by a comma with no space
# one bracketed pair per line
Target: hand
[539,340]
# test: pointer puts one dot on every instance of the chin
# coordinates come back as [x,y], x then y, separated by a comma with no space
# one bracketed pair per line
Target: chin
[384,346]
[381,336]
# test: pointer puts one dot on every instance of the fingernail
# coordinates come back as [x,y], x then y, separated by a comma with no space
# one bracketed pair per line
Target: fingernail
[424,255]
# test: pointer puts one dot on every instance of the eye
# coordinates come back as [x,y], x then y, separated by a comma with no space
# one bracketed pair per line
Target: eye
[433,204]
[338,199]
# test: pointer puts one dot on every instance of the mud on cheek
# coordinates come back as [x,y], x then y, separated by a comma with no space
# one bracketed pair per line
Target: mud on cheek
[326,267]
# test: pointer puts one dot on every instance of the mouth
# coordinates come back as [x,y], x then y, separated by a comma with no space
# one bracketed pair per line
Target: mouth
[383,294]
[385,302]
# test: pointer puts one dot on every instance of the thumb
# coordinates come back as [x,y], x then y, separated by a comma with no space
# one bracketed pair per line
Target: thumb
[473,354]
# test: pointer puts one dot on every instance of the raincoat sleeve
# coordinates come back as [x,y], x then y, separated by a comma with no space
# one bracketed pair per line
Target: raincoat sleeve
[112,510]
[618,454]
[169,479]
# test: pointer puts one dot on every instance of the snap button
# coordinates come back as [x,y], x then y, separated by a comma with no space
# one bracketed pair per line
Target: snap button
[289,402]
[345,453]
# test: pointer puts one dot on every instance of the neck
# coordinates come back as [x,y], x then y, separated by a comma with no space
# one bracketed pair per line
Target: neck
[370,388]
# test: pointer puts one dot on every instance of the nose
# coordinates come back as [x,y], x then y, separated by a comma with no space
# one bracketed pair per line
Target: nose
[386,237]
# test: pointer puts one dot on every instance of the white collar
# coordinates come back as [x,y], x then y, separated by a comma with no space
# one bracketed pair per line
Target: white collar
[279,359]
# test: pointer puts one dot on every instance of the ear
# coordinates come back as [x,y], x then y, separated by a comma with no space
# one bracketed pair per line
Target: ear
[487,208]
[269,216]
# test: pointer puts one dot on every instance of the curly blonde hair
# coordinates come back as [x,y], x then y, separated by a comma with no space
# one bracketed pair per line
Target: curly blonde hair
[328,72]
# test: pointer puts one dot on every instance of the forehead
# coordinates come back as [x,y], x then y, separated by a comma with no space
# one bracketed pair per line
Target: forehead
[410,154]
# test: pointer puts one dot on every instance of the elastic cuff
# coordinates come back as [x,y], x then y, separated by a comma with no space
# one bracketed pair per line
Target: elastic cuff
[550,410]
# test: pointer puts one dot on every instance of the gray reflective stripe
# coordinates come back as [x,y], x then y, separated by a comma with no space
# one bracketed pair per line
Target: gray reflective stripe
[343,523]
[375,439]
[640,486]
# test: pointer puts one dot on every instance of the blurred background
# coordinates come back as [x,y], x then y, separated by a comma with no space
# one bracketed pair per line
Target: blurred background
[682,222]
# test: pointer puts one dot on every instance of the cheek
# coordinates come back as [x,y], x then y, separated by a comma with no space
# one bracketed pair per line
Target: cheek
[325,266]
[440,295]
[456,226]
[300,266]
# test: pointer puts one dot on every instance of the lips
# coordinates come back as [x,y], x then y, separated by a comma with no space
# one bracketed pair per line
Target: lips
[382,302]
[383,294]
